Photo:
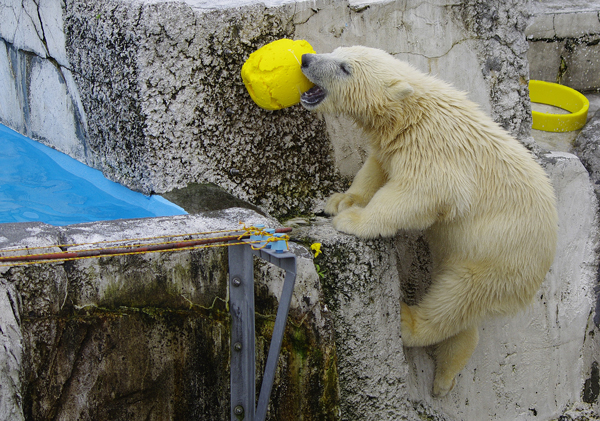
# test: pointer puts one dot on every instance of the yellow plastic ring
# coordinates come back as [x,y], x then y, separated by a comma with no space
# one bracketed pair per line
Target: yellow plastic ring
[562,97]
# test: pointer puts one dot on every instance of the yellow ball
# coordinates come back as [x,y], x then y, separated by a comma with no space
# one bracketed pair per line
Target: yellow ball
[273,76]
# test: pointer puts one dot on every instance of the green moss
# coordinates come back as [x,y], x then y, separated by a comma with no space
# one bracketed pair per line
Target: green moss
[299,343]
[166,281]
[311,381]
[170,362]
[86,313]
[330,397]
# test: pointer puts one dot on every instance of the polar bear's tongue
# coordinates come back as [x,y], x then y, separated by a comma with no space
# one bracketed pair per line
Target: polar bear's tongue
[313,96]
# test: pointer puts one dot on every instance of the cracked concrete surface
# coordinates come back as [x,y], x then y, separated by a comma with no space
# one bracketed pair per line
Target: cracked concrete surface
[35,26]
[42,99]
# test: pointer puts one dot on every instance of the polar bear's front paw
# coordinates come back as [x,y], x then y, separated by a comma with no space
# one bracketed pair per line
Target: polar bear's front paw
[352,221]
[339,202]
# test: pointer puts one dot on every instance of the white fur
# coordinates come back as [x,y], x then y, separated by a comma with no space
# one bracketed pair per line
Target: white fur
[438,164]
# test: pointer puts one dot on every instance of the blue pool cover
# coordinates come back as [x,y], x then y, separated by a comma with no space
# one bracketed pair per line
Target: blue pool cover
[40,184]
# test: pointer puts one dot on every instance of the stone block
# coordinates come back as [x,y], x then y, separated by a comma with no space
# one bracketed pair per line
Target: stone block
[563,40]
[583,64]
[541,27]
[545,60]
[572,62]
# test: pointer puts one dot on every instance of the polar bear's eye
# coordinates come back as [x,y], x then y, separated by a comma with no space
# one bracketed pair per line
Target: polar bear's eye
[346,68]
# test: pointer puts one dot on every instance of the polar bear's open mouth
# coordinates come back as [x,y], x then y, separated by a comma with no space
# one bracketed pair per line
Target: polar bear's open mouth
[313,96]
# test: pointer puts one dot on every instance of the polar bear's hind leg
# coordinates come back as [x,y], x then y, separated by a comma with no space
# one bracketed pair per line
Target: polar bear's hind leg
[451,356]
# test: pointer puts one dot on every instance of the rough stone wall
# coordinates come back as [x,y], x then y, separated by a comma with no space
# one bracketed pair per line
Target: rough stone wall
[587,148]
[363,283]
[539,364]
[104,67]
[499,26]
[564,40]
[11,358]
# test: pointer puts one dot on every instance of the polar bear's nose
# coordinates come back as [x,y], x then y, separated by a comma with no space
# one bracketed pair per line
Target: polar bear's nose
[306,59]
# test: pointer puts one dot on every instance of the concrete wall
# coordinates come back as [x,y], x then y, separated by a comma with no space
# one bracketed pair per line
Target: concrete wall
[150,93]
[564,43]
[39,97]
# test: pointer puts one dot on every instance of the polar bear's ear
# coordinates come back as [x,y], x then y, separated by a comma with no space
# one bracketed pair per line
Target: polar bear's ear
[400,90]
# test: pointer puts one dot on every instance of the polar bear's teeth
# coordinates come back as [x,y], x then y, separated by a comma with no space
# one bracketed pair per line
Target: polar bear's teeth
[313,96]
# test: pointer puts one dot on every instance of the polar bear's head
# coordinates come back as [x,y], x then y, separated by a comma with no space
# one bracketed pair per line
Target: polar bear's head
[356,81]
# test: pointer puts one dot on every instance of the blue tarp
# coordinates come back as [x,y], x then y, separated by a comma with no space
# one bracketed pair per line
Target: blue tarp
[38,183]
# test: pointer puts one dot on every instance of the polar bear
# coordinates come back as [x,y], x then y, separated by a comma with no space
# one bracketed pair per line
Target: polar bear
[439,164]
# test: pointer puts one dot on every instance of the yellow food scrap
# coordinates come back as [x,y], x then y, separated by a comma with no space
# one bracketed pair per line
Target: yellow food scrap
[273,76]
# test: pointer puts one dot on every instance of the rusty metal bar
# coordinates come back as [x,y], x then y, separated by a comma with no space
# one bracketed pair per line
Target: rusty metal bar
[65,255]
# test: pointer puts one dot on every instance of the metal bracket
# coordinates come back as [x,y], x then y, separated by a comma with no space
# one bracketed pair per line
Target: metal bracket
[241,307]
